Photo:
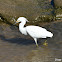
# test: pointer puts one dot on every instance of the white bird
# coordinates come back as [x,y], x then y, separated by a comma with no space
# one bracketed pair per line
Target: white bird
[34,31]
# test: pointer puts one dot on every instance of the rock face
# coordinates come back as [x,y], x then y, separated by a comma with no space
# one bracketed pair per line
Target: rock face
[31,9]
[58,10]
[58,3]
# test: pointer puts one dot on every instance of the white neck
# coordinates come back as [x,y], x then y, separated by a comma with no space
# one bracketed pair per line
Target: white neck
[22,24]
[22,28]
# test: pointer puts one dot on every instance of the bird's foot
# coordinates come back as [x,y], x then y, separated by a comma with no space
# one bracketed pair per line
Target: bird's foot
[45,43]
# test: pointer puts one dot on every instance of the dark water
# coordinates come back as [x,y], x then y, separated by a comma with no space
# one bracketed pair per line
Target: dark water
[15,47]
[52,3]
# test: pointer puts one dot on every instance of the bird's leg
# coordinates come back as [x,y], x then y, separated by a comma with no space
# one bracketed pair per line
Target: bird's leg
[45,43]
[36,42]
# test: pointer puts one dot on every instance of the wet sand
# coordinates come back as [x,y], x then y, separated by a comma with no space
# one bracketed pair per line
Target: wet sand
[15,47]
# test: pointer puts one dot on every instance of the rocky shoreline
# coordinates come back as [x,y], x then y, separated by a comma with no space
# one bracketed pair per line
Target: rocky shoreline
[15,47]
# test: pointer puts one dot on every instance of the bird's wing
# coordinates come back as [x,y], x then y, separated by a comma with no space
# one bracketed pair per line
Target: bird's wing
[36,31]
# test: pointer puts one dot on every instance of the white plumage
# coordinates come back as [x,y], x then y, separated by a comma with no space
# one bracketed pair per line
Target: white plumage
[34,31]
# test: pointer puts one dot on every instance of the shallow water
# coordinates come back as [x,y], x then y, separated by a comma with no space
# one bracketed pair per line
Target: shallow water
[15,47]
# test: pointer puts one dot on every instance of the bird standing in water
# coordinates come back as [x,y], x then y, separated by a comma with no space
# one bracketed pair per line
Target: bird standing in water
[34,31]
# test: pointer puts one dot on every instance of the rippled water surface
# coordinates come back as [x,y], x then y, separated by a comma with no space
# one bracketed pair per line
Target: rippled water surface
[15,47]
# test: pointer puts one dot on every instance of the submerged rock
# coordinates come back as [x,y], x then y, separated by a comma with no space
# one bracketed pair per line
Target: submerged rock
[31,9]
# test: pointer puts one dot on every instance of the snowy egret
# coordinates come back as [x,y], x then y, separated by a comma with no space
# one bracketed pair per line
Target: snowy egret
[34,31]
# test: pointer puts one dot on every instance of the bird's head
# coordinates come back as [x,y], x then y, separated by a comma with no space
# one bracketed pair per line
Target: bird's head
[21,19]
